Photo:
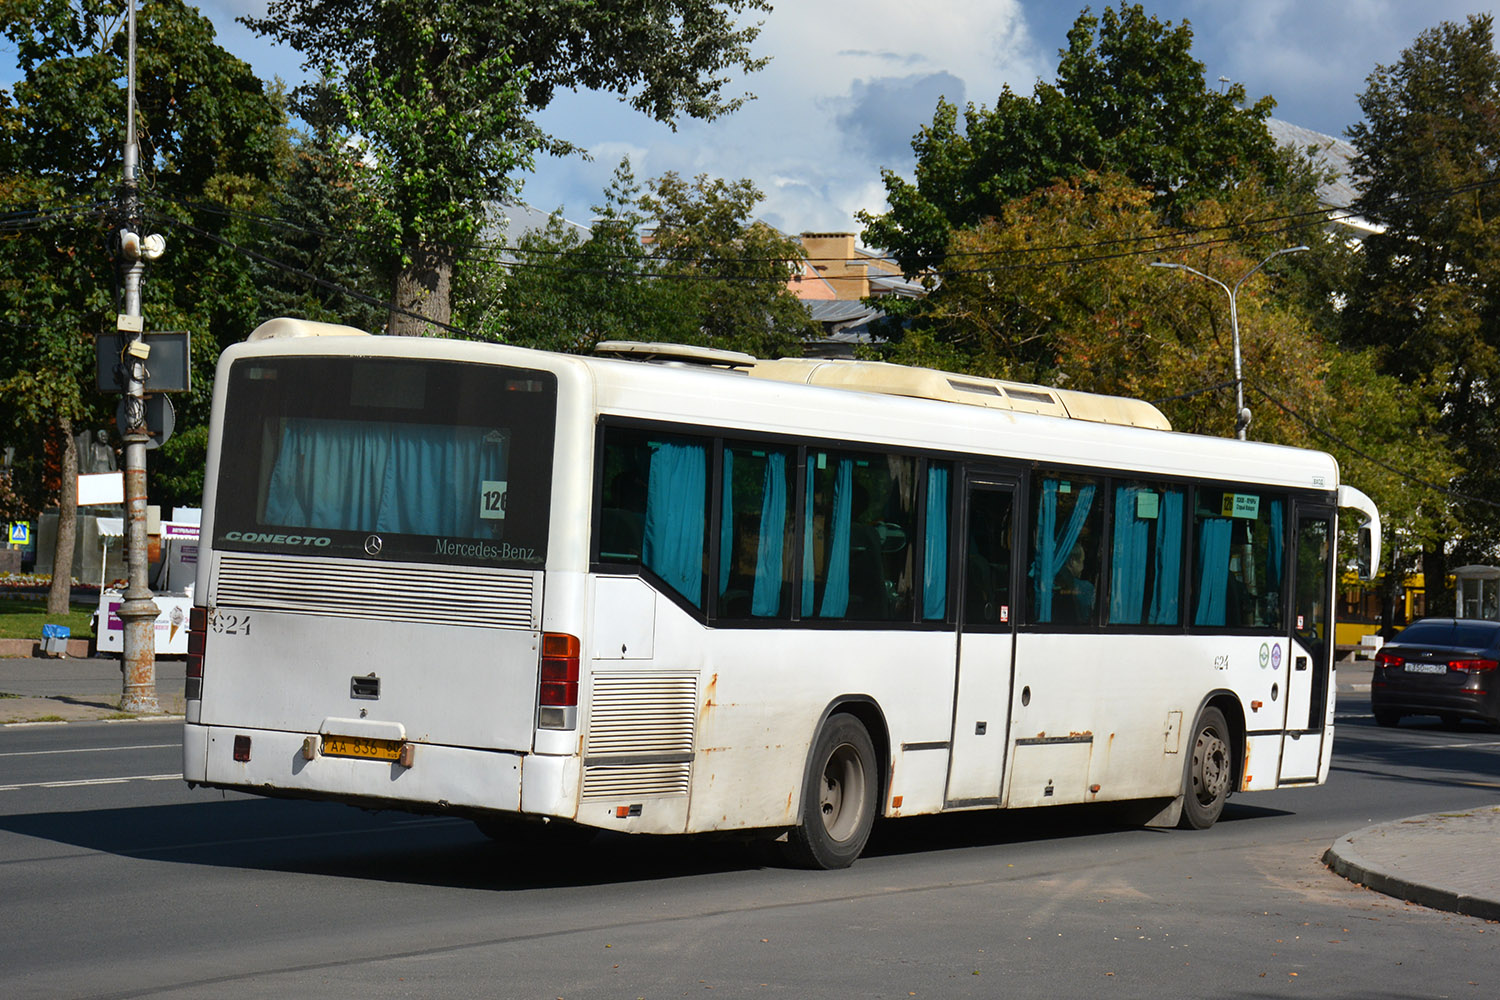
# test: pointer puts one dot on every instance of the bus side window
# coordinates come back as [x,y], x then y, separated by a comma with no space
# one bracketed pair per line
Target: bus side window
[654,506]
[1145,555]
[1239,551]
[857,557]
[1064,568]
[755,532]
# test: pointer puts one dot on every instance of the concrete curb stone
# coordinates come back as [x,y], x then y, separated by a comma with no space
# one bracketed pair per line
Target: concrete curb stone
[1440,860]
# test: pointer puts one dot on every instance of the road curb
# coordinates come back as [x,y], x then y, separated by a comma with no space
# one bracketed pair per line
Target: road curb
[1345,859]
[16,649]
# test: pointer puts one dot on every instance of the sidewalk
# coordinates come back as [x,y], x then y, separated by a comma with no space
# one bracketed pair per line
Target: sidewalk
[76,689]
[1443,860]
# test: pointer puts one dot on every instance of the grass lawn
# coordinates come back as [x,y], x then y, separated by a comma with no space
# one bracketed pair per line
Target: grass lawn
[22,619]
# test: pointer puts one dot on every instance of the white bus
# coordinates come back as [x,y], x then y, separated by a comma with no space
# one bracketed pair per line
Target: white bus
[681,591]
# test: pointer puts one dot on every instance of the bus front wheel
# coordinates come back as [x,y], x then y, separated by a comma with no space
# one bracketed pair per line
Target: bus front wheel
[1209,772]
[838,800]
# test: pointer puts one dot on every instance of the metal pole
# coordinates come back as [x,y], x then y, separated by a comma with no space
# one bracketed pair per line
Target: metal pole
[1241,411]
[1241,414]
[138,611]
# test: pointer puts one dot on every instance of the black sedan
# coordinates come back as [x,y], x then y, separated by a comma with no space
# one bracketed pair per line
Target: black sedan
[1439,666]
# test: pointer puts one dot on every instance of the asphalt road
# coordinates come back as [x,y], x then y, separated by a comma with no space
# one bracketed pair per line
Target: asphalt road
[116,880]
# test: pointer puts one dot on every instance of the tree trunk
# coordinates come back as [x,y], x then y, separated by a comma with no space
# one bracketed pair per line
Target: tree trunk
[67,523]
[423,287]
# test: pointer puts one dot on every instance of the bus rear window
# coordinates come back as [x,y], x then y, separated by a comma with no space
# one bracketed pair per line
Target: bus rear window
[419,461]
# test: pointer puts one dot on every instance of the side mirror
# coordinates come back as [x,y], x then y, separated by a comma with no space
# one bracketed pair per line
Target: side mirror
[1368,555]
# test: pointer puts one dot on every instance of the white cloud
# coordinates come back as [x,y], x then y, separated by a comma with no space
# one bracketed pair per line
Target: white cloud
[849,83]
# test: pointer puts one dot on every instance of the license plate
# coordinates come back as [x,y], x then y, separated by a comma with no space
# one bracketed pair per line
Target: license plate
[1427,668]
[361,746]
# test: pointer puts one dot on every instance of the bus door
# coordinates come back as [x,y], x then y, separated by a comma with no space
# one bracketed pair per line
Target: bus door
[985,640]
[1309,669]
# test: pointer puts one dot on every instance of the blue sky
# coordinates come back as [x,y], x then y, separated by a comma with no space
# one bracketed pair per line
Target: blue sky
[851,81]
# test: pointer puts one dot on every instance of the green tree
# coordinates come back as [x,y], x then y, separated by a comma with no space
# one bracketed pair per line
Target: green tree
[733,269]
[1429,294]
[207,130]
[445,95]
[311,261]
[569,288]
[679,262]
[1129,99]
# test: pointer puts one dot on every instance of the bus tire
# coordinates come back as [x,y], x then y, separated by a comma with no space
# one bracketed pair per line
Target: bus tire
[838,800]
[1210,770]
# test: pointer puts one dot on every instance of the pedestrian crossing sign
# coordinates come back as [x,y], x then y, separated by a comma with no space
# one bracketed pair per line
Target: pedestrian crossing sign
[20,533]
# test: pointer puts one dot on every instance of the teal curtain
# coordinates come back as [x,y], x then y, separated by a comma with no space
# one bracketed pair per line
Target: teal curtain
[765,600]
[673,546]
[1213,570]
[935,546]
[809,568]
[348,475]
[836,588]
[1273,549]
[726,522]
[1127,584]
[1168,584]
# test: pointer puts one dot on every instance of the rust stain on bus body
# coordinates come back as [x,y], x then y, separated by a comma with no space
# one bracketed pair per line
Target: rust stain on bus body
[710,700]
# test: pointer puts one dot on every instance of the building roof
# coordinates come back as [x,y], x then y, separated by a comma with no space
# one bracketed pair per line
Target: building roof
[510,221]
[1333,155]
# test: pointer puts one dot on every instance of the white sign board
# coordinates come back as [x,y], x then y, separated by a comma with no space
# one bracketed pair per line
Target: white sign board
[171,624]
[101,487]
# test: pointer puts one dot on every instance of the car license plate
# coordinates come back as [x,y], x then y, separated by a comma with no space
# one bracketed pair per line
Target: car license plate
[361,746]
[1427,668]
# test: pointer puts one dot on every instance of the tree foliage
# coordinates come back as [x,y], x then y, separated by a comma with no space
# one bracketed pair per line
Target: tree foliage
[444,97]
[1129,99]
[677,262]
[1429,294]
[207,129]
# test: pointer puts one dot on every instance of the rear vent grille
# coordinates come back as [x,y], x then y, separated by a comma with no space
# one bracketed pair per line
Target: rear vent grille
[398,592]
[641,735]
[630,781]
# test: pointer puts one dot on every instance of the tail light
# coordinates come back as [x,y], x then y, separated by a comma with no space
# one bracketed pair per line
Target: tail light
[197,642]
[1473,665]
[558,697]
[1388,660]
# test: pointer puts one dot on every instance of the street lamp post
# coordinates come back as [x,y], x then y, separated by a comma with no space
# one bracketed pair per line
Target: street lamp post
[138,611]
[1241,412]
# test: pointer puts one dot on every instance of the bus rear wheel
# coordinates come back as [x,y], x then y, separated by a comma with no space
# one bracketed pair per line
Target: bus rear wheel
[1210,769]
[838,802]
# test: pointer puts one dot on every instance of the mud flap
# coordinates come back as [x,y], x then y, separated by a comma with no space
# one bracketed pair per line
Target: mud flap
[1169,816]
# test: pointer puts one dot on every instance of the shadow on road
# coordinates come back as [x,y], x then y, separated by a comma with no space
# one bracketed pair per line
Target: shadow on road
[327,839]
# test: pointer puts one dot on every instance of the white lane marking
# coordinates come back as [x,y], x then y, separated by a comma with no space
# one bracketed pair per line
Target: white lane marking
[1442,746]
[43,753]
[85,782]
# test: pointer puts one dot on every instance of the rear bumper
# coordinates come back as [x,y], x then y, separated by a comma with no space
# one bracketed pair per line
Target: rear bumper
[441,778]
[1466,703]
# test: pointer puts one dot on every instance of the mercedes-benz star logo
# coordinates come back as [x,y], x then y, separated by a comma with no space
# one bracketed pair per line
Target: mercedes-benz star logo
[373,545]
